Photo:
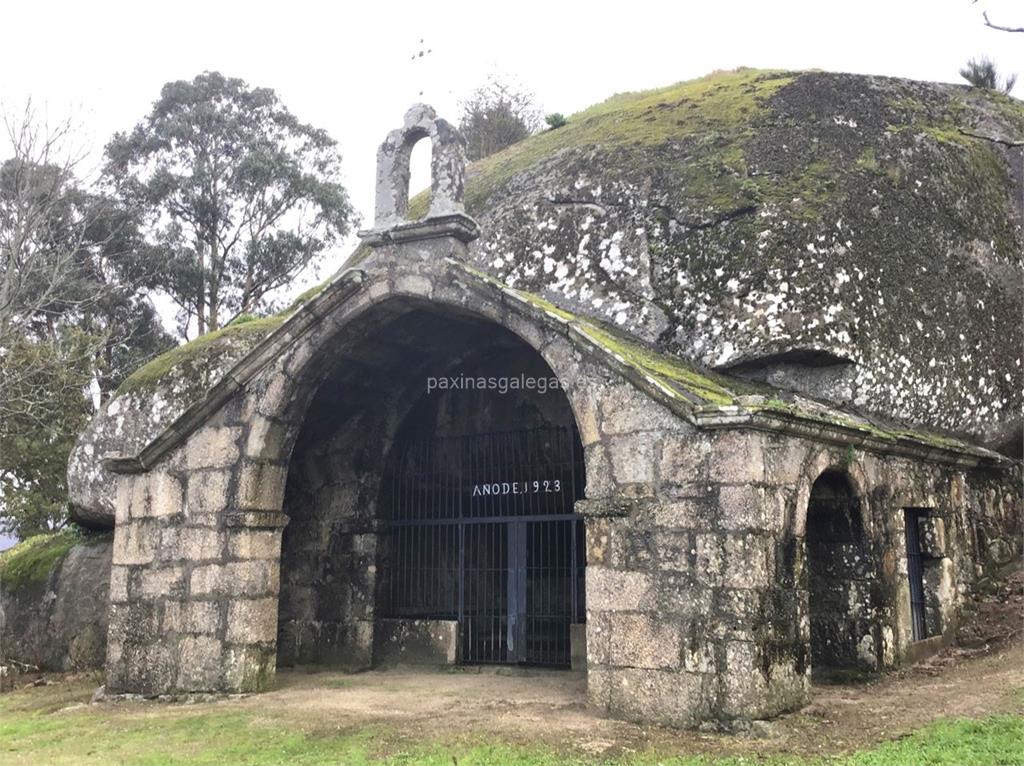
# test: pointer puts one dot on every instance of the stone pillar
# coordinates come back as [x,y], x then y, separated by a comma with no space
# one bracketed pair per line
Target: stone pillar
[195,572]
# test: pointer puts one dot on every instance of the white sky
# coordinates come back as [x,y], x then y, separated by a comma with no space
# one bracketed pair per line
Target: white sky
[349,68]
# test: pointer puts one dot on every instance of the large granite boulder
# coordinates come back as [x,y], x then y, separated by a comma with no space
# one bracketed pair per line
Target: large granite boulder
[146,403]
[855,238]
[53,601]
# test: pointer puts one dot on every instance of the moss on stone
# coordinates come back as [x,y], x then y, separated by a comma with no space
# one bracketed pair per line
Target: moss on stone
[32,560]
[921,436]
[306,296]
[202,349]
[712,108]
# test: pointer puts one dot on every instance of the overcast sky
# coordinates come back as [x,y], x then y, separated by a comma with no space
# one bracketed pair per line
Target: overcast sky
[350,68]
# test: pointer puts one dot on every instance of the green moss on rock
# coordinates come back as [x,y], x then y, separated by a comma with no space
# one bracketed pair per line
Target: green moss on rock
[199,351]
[32,560]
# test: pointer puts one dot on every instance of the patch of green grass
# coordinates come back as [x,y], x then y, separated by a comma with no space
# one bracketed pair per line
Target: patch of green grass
[32,731]
[33,559]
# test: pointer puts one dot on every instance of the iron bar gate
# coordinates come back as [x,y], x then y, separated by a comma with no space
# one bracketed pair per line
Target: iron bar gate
[481,529]
[915,569]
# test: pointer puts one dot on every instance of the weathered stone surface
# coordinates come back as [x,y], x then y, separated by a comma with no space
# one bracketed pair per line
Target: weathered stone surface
[416,642]
[58,621]
[149,401]
[252,621]
[666,697]
[625,214]
[200,664]
[643,641]
[614,590]
[212,447]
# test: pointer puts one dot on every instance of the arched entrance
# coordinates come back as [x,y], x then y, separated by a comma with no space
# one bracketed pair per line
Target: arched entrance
[840,579]
[430,494]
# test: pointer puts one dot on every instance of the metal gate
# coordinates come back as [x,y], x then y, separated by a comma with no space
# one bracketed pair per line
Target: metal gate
[481,529]
[915,569]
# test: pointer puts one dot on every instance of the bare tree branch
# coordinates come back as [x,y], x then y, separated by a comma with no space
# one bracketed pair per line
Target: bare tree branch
[984,15]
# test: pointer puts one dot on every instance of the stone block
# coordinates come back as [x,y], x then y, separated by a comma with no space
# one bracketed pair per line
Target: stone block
[600,482]
[119,576]
[684,459]
[265,439]
[414,285]
[643,641]
[236,578]
[614,590]
[201,543]
[158,582]
[744,507]
[683,513]
[632,457]
[784,461]
[207,493]
[212,447]
[625,410]
[597,536]
[598,638]
[136,543]
[416,642]
[698,650]
[743,686]
[261,487]
[129,495]
[666,697]
[196,617]
[133,623]
[682,595]
[146,668]
[164,496]
[737,457]
[709,553]
[746,561]
[275,396]
[578,646]
[254,543]
[252,621]
[599,689]
[251,668]
[634,547]
[200,667]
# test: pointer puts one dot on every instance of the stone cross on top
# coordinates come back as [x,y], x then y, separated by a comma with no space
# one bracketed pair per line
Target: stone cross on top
[446,215]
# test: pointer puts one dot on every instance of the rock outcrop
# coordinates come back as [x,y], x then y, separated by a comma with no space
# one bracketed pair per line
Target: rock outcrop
[53,602]
[855,238]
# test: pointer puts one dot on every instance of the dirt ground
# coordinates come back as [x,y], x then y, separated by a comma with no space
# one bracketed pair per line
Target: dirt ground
[982,674]
[547,706]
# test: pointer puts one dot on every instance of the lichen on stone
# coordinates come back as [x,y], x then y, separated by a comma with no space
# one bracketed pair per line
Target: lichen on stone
[748,214]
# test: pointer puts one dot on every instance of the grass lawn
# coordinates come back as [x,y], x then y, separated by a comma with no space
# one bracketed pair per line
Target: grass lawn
[50,725]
